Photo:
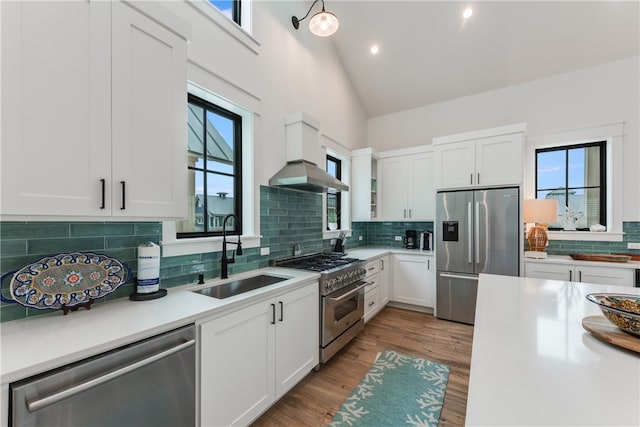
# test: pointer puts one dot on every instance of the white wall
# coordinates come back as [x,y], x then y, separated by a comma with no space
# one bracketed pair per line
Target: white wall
[603,94]
[276,71]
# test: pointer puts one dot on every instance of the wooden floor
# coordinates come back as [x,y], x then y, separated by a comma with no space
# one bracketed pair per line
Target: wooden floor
[315,400]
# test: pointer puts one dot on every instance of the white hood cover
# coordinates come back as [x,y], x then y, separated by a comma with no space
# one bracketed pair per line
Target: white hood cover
[301,172]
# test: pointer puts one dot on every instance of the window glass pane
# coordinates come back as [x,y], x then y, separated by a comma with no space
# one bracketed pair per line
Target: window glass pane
[217,166]
[220,199]
[584,167]
[225,6]
[551,169]
[195,138]
[332,168]
[195,219]
[592,207]
[219,137]
[559,196]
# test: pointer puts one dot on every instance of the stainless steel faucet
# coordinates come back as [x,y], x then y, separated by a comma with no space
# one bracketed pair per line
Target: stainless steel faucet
[224,261]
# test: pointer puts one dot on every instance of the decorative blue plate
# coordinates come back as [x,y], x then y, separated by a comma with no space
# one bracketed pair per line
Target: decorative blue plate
[67,280]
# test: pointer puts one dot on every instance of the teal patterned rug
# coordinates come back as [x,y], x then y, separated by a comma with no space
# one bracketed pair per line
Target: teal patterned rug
[398,390]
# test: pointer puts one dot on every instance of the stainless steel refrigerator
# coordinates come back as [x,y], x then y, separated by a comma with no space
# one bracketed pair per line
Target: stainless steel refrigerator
[477,231]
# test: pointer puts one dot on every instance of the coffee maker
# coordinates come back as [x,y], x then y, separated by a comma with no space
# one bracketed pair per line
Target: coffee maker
[410,239]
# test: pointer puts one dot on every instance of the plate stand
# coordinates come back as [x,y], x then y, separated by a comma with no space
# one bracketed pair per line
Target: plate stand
[66,310]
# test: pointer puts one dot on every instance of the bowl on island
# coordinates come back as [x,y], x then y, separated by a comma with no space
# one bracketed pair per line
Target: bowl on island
[623,310]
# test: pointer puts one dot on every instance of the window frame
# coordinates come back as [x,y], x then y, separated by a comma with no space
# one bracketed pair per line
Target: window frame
[237,170]
[338,194]
[602,145]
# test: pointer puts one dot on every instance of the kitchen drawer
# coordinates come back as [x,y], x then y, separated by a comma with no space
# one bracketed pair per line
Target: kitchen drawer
[372,267]
[371,302]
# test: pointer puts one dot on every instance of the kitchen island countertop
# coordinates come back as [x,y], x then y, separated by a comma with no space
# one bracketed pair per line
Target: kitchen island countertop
[533,363]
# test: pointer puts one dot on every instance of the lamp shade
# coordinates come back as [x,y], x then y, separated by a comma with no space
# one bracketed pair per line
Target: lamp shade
[543,211]
[323,24]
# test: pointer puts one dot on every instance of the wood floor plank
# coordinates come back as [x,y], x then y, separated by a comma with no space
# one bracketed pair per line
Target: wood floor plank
[315,400]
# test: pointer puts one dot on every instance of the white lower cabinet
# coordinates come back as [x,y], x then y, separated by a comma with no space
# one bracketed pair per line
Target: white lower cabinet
[376,293]
[581,273]
[414,280]
[253,356]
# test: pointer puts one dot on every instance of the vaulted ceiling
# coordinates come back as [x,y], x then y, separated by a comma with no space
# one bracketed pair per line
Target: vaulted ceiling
[429,53]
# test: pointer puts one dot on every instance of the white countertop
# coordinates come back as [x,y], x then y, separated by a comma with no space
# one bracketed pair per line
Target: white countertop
[37,344]
[371,252]
[565,259]
[533,364]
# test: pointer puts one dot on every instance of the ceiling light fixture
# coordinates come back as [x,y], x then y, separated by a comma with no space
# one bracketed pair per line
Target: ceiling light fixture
[467,13]
[375,49]
[322,24]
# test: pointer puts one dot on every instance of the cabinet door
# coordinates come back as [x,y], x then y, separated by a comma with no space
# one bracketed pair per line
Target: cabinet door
[548,271]
[454,165]
[56,106]
[237,380]
[422,196]
[394,189]
[149,117]
[411,281]
[297,336]
[383,282]
[605,275]
[371,299]
[499,160]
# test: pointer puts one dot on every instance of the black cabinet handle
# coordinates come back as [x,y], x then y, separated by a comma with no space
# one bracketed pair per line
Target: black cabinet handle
[273,314]
[281,311]
[102,183]
[123,198]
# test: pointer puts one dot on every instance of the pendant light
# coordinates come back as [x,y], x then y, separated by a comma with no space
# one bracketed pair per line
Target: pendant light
[322,23]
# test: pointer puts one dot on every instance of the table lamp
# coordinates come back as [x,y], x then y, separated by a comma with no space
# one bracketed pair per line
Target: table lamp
[541,212]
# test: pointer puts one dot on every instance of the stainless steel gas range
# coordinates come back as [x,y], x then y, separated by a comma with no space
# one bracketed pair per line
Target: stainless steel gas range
[342,297]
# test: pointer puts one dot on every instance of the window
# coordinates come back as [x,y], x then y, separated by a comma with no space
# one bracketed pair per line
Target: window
[230,8]
[575,176]
[334,199]
[215,173]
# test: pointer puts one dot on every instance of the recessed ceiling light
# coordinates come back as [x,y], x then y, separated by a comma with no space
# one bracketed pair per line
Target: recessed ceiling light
[467,13]
[374,49]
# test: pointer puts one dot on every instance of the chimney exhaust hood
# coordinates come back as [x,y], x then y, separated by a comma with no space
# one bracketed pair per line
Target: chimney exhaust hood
[301,171]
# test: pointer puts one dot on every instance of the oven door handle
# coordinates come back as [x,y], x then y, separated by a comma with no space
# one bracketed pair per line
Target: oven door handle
[348,294]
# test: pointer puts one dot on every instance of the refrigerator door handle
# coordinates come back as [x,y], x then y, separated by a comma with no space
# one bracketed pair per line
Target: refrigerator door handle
[476,232]
[458,276]
[469,233]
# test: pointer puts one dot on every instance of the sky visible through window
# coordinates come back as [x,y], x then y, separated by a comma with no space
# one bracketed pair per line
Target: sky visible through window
[218,183]
[226,6]
[551,169]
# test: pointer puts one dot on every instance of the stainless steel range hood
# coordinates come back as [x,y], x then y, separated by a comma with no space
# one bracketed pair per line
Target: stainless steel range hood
[306,176]
[301,171]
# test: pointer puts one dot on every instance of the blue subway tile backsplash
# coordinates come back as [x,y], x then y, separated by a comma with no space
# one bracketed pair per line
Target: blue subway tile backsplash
[287,218]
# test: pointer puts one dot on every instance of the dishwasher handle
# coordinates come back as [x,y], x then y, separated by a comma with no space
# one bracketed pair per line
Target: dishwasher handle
[36,405]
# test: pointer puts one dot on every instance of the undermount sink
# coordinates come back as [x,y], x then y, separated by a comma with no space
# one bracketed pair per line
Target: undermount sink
[240,286]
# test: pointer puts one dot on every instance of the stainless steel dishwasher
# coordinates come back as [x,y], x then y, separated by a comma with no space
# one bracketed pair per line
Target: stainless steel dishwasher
[148,383]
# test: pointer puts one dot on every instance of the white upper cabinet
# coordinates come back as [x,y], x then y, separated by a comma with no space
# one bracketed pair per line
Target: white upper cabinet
[93,104]
[407,187]
[149,117]
[56,107]
[485,161]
